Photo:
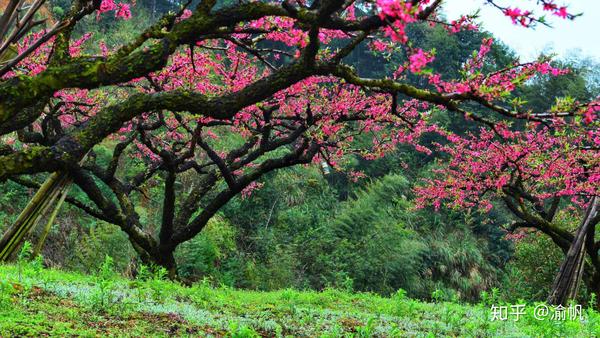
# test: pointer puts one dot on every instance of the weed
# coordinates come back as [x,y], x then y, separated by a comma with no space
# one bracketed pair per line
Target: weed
[237,330]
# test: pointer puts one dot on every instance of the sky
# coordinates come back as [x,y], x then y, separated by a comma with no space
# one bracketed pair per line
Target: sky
[580,37]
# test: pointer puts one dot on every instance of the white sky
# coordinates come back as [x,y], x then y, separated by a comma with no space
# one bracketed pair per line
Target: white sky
[580,37]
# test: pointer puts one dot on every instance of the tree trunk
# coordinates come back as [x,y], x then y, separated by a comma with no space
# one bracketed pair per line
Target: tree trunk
[568,279]
[167,260]
[594,286]
[164,259]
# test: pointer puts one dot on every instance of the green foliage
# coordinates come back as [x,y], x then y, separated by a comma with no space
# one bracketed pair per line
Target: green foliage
[23,256]
[295,233]
[379,250]
[102,239]
[532,269]
[12,200]
[25,252]
[203,255]
[103,297]
[573,85]
[6,293]
[60,307]
[241,331]
[112,31]
[387,245]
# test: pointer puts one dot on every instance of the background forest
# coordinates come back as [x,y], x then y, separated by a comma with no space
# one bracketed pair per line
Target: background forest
[313,227]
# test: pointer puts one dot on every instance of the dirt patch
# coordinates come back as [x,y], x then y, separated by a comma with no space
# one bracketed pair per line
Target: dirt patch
[350,324]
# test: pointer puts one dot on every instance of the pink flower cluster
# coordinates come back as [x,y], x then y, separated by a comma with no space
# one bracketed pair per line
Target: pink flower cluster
[547,162]
[589,115]
[418,60]
[400,13]
[122,10]
[526,18]
[463,23]
[518,16]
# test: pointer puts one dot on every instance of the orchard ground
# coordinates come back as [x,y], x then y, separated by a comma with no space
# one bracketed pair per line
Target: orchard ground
[36,302]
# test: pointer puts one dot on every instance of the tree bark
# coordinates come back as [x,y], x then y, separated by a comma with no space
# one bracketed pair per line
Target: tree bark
[164,259]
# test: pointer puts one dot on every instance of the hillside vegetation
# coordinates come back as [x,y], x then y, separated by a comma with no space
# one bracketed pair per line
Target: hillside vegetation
[39,302]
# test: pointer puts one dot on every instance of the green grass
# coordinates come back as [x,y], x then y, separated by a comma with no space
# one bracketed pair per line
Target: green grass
[43,302]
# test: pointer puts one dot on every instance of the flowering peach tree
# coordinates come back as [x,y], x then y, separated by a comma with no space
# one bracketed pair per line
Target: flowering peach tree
[221,96]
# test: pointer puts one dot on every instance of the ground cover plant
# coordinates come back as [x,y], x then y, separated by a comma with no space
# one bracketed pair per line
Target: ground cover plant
[37,301]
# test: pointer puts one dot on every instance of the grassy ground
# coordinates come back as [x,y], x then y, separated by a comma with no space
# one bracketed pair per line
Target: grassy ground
[40,302]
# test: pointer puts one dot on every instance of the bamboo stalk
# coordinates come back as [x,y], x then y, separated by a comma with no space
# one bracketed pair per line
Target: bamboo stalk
[34,210]
[55,187]
[46,230]
[566,282]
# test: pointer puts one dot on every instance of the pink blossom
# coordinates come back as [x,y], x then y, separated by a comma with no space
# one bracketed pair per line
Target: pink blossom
[418,60]
[123,12]
[561,12]
[378,46]
[251,188]
[513,13]
[107,5]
